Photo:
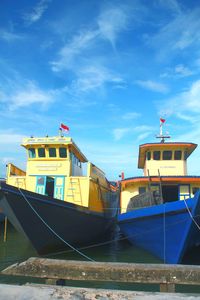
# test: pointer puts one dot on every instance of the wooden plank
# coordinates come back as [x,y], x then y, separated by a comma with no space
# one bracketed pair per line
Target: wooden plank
[105,271]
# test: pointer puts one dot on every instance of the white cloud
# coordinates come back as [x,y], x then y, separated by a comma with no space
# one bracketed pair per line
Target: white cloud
[92,77]
[74,54]
[10,138]
[184,103]
[111,22]
[177,35]
[173,5]
[37,12]
[9,36]
[141,132]
[143,136]
[26,95]
[68,54]
[120,132]
[153,85]
[177,71]
[131,116]
[182,70]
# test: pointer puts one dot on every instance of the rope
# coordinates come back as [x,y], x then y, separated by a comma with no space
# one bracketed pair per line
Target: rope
[191,215]
[65,242]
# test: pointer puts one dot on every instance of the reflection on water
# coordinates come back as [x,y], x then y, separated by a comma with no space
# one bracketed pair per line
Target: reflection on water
[17,249]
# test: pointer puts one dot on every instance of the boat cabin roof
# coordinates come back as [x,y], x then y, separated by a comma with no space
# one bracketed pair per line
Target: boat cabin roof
[54,141]
[163,179]
[188,147]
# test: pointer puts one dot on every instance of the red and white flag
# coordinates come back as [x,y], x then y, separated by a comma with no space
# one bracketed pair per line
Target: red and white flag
[162,121]
[64,128]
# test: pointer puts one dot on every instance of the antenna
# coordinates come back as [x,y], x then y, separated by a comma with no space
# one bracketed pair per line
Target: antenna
[161,136]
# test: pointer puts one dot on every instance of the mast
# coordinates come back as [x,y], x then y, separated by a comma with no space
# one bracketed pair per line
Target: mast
[161,136]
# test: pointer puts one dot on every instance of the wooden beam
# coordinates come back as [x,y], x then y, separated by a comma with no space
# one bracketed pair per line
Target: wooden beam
[105,271]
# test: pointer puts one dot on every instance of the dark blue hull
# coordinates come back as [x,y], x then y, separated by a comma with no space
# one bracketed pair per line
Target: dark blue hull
[2,217]
[48,222]
[167,230]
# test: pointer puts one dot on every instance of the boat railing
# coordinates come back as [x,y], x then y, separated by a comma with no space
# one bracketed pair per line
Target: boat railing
[147,199]
[15,176]
[12,170]
[17,181]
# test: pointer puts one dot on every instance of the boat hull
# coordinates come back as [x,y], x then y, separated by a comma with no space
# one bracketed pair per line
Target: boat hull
[52,225]
[168,230]
[2,216]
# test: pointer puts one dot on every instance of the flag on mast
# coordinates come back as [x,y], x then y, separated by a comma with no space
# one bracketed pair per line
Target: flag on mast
[162,121]
[64,127]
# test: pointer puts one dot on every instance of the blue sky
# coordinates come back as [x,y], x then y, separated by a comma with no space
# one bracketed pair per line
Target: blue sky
[107,69]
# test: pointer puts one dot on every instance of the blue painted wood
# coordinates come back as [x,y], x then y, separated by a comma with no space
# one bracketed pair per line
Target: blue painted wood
[166,230]
[40,188]
[59,188]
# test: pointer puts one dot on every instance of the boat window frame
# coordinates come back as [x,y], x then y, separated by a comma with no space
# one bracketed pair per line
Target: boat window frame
[148,155]
[181,154]
[59,151]
[54,148]
[29,151]
[165,154]
[38,152]
[195,189]
[154,155]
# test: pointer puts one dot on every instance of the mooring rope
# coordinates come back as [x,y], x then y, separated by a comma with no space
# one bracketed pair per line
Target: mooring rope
[65,242]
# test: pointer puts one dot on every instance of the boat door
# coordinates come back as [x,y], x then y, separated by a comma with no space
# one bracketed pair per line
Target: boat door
[59,187]
[184,191]
[40,184]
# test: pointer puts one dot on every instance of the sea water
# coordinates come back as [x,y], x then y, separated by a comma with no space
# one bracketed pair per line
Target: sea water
[116,249]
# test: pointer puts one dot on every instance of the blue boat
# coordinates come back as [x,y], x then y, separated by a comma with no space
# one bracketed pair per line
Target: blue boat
[160,211]
[167,230]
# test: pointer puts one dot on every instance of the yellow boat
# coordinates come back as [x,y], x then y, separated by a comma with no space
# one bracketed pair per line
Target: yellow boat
[53,203]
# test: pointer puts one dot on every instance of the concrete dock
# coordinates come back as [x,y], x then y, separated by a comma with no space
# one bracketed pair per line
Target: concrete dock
[50,292]
[56,272]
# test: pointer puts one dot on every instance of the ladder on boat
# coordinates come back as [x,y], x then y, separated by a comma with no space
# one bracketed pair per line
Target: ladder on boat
[160,188]
[74,190]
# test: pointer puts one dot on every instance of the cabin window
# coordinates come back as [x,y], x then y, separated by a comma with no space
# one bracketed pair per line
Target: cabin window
[194,190]
[156,155]
[178,155]
[148,155]
[62,152]
[167,155]
[41,152]
[52,152]
[142,190]
[31,153]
